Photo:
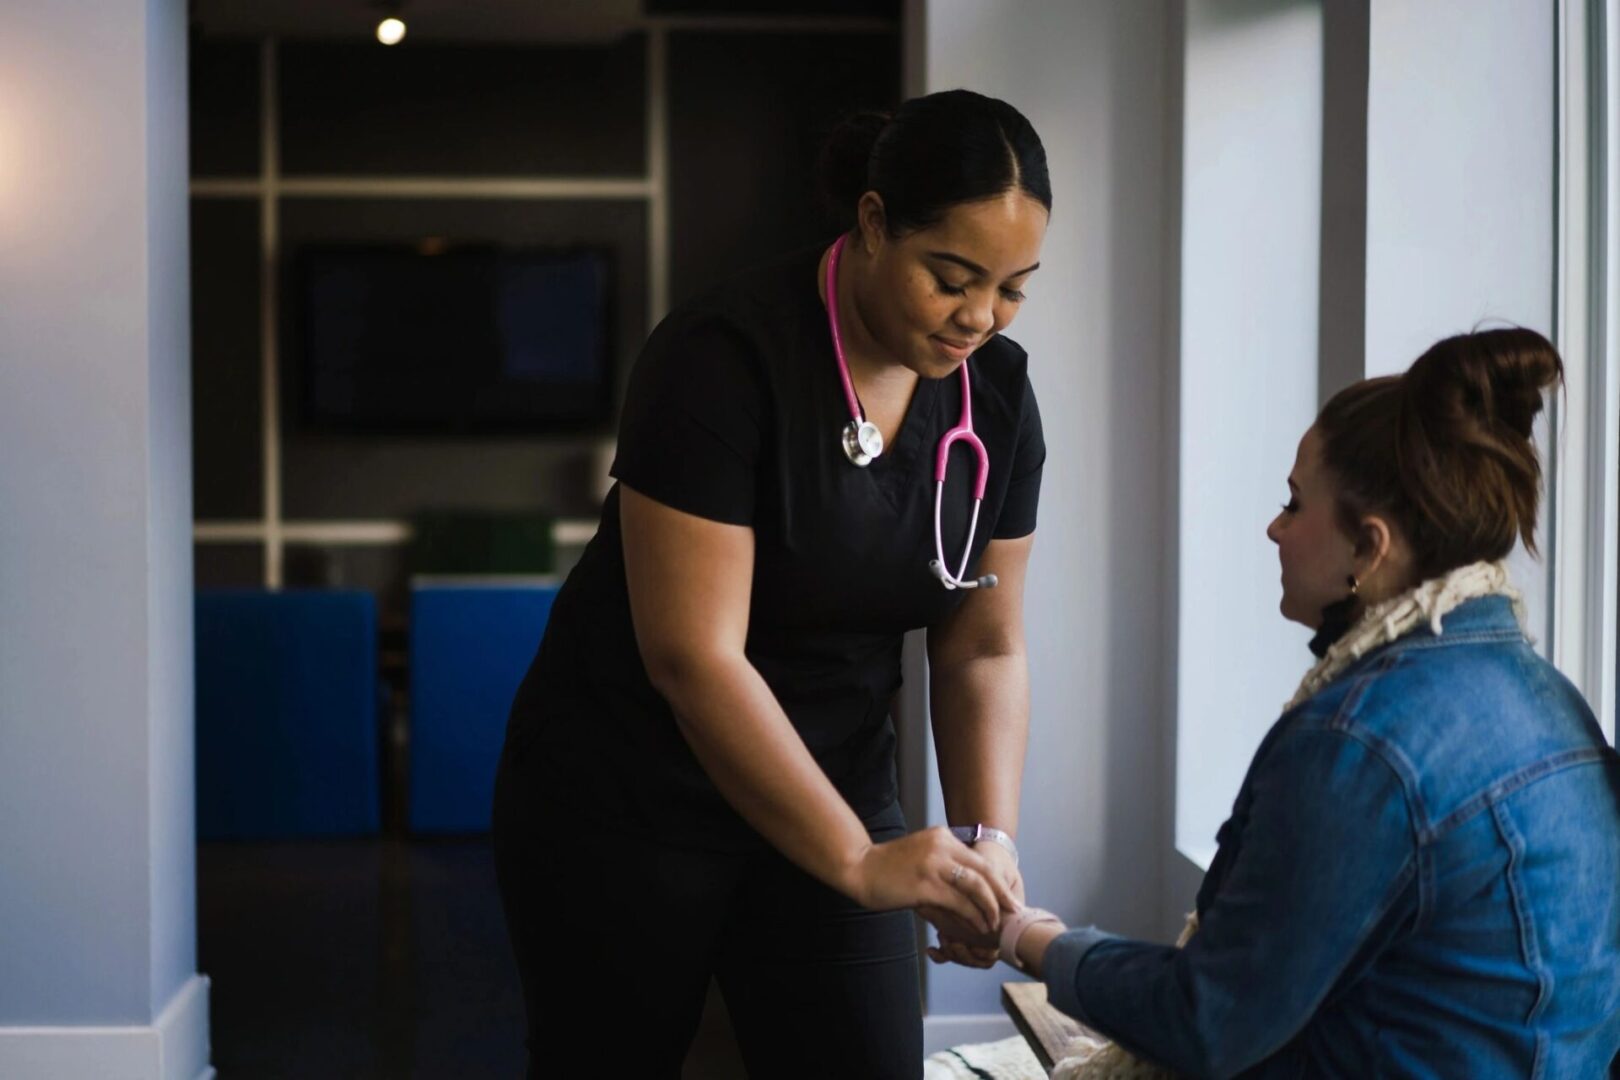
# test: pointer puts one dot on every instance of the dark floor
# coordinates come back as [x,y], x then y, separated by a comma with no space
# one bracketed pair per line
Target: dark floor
[371,958]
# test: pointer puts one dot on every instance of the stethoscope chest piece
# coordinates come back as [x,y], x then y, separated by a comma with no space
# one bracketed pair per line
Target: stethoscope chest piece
[862,442]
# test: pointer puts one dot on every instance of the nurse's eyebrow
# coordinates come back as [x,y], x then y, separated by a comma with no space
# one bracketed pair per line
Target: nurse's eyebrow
[974,268]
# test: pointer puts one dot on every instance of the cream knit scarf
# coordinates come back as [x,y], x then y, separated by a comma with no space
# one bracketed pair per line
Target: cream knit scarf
[1100,1059]
[1400,615]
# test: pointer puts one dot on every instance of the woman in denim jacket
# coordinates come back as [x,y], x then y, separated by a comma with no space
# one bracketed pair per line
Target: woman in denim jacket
[1421,873]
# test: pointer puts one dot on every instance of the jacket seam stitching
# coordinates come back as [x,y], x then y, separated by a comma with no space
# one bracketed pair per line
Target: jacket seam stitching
[1458,637]
[1529,945]
[1340,720]
[1500,789]
[1386,751]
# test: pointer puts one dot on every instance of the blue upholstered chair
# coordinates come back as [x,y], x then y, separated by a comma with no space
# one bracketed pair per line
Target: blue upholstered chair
[287,714]
[470,647]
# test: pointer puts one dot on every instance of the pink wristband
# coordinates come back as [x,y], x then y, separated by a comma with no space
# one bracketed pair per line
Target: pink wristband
[1013,927]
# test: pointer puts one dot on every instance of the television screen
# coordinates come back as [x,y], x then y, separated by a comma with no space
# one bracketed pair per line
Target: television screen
[436,338]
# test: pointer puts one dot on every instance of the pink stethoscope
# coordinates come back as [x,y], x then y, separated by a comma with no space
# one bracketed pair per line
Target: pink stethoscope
[862,442]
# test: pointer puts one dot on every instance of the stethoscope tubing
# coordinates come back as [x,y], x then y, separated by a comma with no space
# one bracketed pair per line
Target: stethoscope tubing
[962,432]
[856,413]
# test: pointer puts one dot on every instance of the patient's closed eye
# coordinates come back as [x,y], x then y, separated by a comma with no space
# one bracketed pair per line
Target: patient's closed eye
[1291,506]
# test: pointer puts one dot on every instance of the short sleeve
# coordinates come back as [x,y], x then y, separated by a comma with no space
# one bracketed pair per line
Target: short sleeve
[689,436]
[1024,486]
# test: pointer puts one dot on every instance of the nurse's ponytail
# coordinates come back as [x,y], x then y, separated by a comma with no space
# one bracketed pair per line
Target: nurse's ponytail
[1447,449]
[932,153]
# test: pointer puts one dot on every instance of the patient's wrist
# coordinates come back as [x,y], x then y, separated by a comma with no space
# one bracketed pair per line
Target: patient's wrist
[1033,945]
[1021,924]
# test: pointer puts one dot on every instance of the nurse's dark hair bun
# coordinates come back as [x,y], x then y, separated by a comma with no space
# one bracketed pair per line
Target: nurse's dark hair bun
[933,152]
[1447,449]
[844,158]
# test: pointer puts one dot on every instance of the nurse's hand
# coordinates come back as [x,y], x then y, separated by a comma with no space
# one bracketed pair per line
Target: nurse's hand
[1005,866]
[930,869]
[961,944]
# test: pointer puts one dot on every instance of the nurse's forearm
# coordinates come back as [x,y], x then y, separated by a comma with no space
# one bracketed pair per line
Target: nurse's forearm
[980,709]
[758,762]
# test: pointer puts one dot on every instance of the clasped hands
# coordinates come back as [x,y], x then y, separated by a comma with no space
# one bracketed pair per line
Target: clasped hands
[965,892]
[961,943]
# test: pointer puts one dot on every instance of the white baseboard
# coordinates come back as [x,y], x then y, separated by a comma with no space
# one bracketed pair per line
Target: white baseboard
[944,1032]
[173,1047]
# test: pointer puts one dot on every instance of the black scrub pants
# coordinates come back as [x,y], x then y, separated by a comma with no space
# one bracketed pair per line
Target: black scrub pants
[617,936]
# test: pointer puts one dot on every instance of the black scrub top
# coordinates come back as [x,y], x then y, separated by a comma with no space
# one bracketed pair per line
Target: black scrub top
[734,414]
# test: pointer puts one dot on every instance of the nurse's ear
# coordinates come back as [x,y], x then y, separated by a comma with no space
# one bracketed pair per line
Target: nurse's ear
[872,222]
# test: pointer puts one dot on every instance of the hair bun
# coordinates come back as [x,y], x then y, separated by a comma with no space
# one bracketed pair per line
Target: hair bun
[1446,449]
[844,159]
[1491,377]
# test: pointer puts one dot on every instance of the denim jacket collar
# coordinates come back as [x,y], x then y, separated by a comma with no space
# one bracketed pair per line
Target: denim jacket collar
[1484,618]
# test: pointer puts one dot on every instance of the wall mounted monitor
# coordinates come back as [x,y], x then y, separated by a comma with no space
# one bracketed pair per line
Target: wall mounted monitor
[440,338]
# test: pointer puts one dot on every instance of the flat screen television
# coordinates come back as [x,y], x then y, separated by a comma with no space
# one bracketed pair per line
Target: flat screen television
[434,338]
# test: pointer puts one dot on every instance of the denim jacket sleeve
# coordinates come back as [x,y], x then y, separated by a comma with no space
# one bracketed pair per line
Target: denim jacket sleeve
[1327,848]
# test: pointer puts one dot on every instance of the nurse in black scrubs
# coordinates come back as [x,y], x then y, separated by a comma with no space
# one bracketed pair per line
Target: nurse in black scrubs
[699,774]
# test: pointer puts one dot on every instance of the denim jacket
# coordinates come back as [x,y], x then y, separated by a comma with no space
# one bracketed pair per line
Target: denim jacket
[1420,878]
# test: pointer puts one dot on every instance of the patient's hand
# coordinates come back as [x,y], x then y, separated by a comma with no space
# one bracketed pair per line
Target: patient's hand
[972,949]
[960,943]
[956,951]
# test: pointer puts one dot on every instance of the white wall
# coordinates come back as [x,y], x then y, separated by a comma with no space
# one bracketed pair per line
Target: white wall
[1092,79]
[1158,656]
[1446,108]
[1461,218]
[1460,159]
[1250,236]
[97,909]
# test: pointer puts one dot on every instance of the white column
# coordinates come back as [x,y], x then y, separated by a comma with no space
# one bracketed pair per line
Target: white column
[1584,488]
[1251,196]
[97,882]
